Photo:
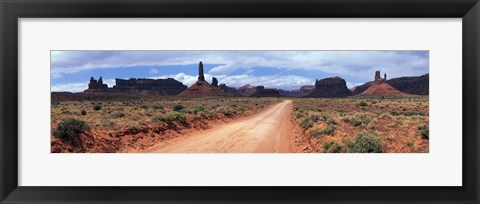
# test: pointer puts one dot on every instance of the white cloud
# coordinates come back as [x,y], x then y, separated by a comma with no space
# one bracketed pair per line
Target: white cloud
[357,65]
[70,87]
[77,87]
[154,71]
[287,82]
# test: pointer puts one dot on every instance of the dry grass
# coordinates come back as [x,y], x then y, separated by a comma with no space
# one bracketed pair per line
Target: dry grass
[117,114]
[400,123]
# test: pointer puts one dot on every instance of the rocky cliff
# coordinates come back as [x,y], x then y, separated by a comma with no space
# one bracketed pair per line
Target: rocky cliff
[412,85]
[246,90]
[151,86]
[332,87]
[417,85]
[261,91]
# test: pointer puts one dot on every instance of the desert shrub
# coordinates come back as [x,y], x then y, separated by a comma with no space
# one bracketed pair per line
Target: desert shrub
[346,119]
[329,130]
[97,107]
[422,126]
[331,121]
[70,128]
[83,112]
[178,107]
[198,108]
[156,107]
[315,117]
[176,117]
[118,114]
[364,143]
[298,114]
[362,103]
[306,122]
[425,133]
[159,118]
[332,147]
[326,116]
[385,116]
[315,133]
[360,119]
[225,111]
[171,117]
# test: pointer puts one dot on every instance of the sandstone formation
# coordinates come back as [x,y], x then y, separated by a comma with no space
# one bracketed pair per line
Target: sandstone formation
[168,86]
[214,82]
[412,85]
[201,88]
[417,85]
[97,85]
[201,77]
[305,90]
[228,89]
[361,88]
[261,91]
[380,87]
[246,90]
[332,87]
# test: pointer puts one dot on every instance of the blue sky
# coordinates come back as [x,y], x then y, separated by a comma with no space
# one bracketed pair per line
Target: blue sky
[71,70]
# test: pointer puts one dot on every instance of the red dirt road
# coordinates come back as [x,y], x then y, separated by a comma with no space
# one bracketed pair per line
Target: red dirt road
[271,130]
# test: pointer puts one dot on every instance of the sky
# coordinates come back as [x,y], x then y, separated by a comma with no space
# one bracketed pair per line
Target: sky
[288,70]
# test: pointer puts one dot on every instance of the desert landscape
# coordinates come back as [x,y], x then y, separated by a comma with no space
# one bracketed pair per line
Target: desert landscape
[162,115]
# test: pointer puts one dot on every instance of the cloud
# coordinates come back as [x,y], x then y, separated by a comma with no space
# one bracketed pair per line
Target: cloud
[153,71]
[287,82]
[70,87]
[355,65]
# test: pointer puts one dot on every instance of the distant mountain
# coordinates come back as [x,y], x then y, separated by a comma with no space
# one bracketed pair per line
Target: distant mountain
[417,85]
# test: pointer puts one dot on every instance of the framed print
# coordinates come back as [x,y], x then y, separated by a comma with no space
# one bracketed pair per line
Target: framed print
[259,101]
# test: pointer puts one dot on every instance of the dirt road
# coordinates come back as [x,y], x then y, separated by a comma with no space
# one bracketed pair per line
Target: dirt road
[270,130]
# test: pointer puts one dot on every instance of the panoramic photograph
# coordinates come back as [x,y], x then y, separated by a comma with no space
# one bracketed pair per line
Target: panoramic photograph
[239,101]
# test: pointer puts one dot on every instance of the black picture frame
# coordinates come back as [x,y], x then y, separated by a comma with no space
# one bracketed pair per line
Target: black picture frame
[11,10]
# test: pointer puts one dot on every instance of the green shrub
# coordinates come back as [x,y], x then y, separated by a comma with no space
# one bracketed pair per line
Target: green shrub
[315,117]
[306,122]
[332,147]
[360,119]
[171,117]
[70,128]
[97,107]
[178,107]
[329,130]
[315,133]
[364,143]
[198,108]
[362,103]
[177,117]
[331,121]
[326,117]
[83,112]
[159,118]
[225,111]
[425,133]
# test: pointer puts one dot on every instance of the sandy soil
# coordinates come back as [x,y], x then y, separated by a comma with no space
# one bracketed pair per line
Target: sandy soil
[271,130]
